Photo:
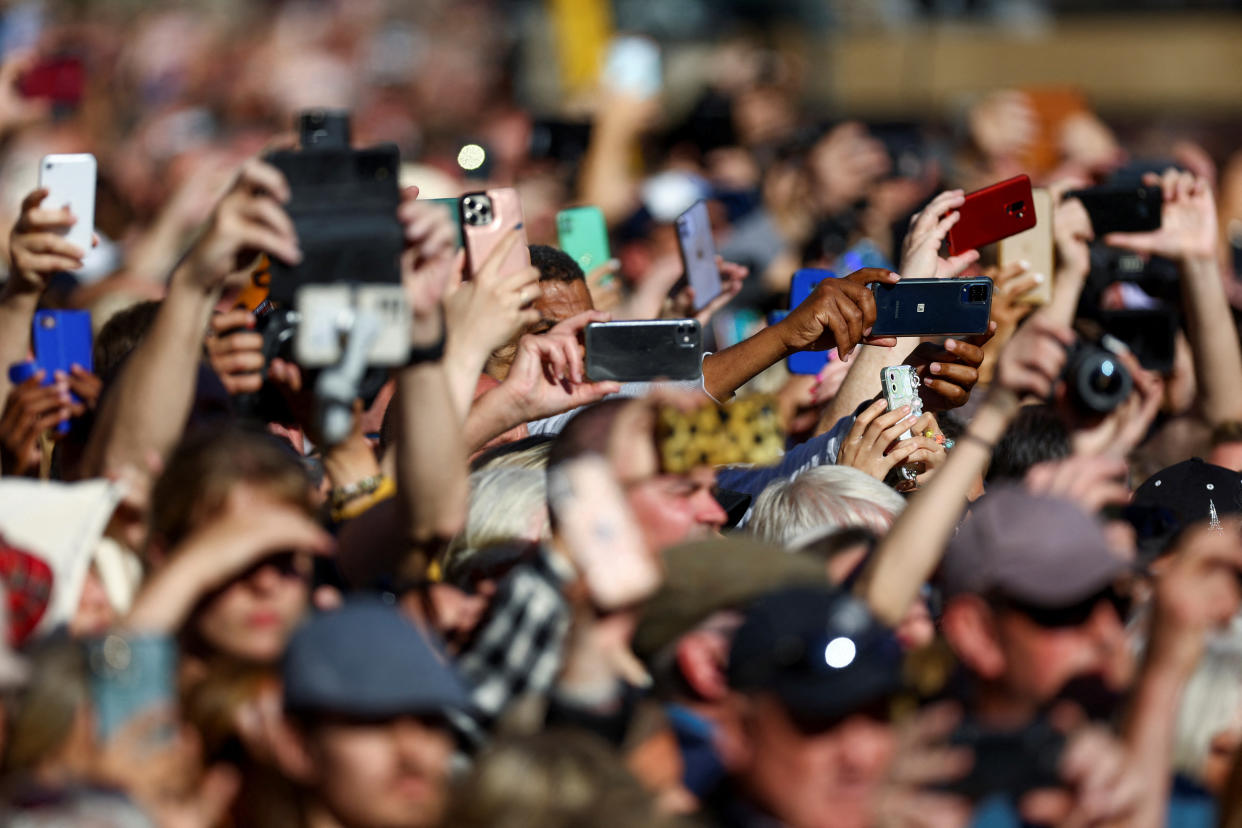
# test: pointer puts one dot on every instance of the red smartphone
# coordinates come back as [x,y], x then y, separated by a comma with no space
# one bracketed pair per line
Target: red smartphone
[993,213]
[486,219]
[59,79]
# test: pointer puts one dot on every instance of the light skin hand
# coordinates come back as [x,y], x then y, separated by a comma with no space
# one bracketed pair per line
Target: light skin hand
[920,252]
[548,376]
[1032,361]
[37,247]
[1091,482]
[1188,228]
[491,309]
[235,351]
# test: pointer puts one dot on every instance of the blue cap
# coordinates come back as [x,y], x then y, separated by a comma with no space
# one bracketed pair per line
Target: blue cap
[368,660]
[819,650]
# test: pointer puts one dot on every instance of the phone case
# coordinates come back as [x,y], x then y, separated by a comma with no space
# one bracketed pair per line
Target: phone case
[698,253]
[644,350]
[129,676]
[70,182]
[1121,209]
[486,219]
[932,307]
[60,80]
[745,430]
[993,213]
[452,207]
[583,235]
[900,386]
[1034,246]
[803,284]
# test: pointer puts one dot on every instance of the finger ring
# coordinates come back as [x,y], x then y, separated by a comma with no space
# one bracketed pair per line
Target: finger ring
[929,433]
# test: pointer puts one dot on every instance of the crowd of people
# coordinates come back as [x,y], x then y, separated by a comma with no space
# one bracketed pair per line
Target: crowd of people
[497,601]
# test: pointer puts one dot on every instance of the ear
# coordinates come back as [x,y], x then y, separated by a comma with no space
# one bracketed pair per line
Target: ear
[731,735]
[970,628]
[701,658]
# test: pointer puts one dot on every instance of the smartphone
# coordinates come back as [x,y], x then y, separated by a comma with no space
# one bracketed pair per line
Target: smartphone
[450,206]
[70,182]
[862,253]
[633,66]
[1151,334]
[1052,106]
[802,362]
[993,213]
[698,253]
[900,386]
[60,79]
[583,235]
[1012,762]
[1034,246]
[486,219]
[644,350]
[1121,209]
[804,282]
[129,676]
[744,430]
[932,307]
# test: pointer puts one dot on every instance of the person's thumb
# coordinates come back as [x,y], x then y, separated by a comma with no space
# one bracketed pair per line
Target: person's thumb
[216,793]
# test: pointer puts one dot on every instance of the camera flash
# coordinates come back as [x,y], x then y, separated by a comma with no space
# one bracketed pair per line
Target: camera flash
[471,157]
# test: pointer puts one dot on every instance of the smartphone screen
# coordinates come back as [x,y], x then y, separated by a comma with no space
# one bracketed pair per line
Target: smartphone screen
[698,253]
[932,307]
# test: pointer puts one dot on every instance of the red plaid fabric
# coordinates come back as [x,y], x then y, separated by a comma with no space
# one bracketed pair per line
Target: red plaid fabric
[28,584]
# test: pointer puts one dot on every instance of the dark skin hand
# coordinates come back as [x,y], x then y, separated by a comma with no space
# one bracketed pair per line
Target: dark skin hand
[838,314]
[949,372]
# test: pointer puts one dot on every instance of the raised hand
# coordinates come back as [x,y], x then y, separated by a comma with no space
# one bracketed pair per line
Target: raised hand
[1032,361]
[1121,431]
[920,252]
[548,377]
[1092,482]
[838,314]
[430,263]
[873,444]
[1071,229]
[732,277]
[845,163]
[249,220]
[1010,283]
[493,308]
[37,246]
[31,410]
[949,372]
[1188,224]
[235,351]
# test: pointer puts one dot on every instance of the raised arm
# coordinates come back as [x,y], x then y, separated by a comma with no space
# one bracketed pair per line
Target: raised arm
[910,552]
[145,412]
[1189,234]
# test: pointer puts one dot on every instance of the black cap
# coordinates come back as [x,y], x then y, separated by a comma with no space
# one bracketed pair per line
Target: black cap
[819,650]
[369,661]
[1176,497]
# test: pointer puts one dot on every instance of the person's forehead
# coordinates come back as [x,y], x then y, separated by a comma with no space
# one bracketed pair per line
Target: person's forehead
[566,298]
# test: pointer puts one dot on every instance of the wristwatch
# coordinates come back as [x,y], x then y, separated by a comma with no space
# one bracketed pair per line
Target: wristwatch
[429,353]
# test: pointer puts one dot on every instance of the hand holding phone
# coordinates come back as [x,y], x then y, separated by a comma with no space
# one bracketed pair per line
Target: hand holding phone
[993,213]
[932,307]
[70,183]
[698,254]
[1121,209]
[644,351]
[1035,247]
[487,218]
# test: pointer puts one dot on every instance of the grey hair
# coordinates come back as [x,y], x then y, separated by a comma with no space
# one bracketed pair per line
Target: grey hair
[1211,702]
[823,499]
[506,503]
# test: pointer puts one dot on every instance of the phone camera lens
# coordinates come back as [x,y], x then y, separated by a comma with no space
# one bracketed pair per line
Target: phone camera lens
[977,294]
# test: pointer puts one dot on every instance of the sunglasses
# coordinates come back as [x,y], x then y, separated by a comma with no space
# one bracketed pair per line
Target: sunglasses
[286,564]
[1074,615]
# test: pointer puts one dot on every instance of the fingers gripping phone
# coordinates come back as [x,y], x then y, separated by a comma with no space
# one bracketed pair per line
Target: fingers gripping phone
[62,339]
[583,235]
[486,220]
[70,182]
[1121,209]
[1035,247]
[698,254]
[642,351]
[993,213]
[900,386]
[932,307]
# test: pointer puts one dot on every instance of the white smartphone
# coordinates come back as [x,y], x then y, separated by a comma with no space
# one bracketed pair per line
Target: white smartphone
[70,182]
[698,254]
[633,66]
[900,386]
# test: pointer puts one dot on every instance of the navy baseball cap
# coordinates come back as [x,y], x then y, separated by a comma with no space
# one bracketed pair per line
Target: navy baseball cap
[819,650]
[1175,497]
[369,661]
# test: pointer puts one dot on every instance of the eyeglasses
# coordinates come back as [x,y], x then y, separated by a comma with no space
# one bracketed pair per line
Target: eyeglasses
[1074,615]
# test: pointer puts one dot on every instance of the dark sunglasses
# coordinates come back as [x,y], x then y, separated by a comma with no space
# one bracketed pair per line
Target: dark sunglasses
[1074,615]
[286,564]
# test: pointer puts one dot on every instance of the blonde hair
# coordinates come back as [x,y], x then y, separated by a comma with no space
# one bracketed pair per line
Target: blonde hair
[506,504]
[823,499]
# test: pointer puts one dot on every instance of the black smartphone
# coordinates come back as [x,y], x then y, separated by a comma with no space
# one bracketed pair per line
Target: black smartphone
[1013,762]
[343,205]
[644,350]
[1151,333]
[932,307]
[1121,209]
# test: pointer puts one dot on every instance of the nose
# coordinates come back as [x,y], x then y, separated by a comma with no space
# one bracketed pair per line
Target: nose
[1106,627]
[265,579]
[708,511]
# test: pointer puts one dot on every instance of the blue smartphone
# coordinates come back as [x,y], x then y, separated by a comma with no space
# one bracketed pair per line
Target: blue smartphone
[804,282]
[62,339]
[803,362]
[862,254]
[932,307]
[129,676]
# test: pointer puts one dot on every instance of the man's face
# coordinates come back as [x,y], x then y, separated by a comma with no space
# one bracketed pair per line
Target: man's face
[390,774]
[560,301]
[825,779]
[674,508]
[1040,659]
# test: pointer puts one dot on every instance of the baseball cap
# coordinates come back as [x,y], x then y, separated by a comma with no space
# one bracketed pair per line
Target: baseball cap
[708,576]
[1177,496]
[819,650]
[367,660]
[1043,551]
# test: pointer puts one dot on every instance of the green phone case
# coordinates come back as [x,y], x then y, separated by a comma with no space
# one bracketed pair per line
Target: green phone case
[450,206]
[584,236]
